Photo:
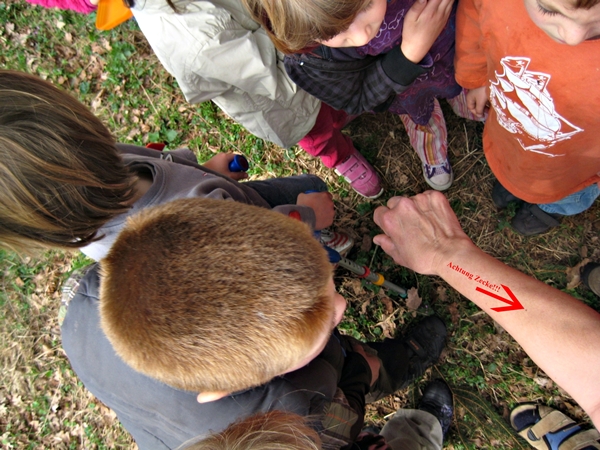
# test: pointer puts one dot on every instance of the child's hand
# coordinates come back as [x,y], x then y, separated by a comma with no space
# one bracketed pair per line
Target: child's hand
[220,164]
[423,23]
[477,100]
[322,205]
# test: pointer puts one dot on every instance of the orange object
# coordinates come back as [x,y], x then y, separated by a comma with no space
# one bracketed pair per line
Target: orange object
[111,13]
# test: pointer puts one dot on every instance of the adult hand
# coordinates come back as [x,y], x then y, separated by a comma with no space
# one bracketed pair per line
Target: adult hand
[420,231]
[220,164]
[322,205]
[423,23]
[477,100]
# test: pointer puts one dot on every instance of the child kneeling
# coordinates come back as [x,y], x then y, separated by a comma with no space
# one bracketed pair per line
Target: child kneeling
[67,183]
[235,307]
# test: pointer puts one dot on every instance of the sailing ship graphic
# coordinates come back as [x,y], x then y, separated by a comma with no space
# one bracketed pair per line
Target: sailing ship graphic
[525,108]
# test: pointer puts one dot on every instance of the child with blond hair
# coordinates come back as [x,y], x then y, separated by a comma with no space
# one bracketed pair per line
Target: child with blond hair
[374,56]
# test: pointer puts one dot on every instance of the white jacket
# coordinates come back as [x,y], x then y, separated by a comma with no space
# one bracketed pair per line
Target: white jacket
[217,52]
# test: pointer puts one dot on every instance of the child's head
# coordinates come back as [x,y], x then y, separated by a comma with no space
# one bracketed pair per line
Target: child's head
[295,25]
[214,296]
[61,177]
[274,430]
[568,22]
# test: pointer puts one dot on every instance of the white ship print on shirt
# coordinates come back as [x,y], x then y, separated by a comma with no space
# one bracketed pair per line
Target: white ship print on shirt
[525,108]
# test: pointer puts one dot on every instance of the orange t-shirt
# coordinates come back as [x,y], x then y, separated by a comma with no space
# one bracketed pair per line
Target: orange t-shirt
[542,136]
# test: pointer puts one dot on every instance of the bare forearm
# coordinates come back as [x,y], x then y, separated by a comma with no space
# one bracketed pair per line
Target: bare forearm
[558,332]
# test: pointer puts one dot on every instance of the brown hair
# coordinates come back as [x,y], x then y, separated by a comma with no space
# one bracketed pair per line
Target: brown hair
[61,177]
[294,25]
[211,295]
[274,430]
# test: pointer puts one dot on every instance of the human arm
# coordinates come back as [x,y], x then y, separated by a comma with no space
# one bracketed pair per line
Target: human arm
[80,6]
[558,332]
[470,61]
[331,76]
[423,24]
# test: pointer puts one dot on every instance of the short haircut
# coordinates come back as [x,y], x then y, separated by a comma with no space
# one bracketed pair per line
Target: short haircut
[211,295]
[274,430]
[61,176]
[295,25]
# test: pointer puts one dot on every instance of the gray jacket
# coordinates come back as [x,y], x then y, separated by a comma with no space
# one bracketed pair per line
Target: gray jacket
[161,417]
[176,175]
[217,52]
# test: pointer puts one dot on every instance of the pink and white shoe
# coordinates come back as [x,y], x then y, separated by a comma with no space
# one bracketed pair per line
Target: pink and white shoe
[361,175]
[340,242]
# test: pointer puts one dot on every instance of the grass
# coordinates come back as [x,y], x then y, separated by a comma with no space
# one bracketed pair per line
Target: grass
[42,405]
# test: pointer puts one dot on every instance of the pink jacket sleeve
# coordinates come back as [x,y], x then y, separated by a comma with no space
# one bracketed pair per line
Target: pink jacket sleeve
[81,6]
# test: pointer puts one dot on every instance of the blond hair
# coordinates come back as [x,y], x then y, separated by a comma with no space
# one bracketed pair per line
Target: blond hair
[274,430]
[295,25]
[61,176]
[211,295]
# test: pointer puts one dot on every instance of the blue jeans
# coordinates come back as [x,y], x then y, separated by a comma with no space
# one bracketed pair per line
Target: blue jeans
[284,191]
[574,203]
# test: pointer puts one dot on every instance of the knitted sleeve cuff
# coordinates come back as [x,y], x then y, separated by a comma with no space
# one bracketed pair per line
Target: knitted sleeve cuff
[401,70]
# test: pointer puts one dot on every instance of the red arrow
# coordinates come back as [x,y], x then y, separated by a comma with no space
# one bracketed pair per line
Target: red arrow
[513,303]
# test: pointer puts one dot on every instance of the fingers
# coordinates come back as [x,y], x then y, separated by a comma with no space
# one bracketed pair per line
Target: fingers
[238,175]
[417,8]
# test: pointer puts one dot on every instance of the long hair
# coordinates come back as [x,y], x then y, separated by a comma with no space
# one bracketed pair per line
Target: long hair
[61,177]
[295,25]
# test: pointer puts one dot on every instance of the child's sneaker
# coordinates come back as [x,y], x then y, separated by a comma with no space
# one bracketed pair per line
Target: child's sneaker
[439,177]
[339,242]
[361,175]
[430,141]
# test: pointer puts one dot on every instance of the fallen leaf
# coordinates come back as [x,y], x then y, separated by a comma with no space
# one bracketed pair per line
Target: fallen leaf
[413,301]
[441,294]
[387,302]
[402,180]
[543,382]
[356,286]
[388,327]
[364,306]
[583,251]
[574,274]
[453,310]
[366,244]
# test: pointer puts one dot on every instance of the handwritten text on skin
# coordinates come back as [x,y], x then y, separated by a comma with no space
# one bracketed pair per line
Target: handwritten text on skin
[473,277]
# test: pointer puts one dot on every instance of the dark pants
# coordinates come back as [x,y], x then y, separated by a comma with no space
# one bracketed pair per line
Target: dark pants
[284,191]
